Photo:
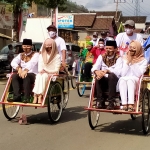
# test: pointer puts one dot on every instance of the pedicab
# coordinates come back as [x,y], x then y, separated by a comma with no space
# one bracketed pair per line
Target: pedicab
[78,75]
[55,98]
[141,105]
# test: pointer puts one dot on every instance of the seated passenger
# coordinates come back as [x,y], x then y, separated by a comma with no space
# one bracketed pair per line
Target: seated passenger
[88,62]
[134,65]
[26,64]
[49,63]
[107,71]
[98,50]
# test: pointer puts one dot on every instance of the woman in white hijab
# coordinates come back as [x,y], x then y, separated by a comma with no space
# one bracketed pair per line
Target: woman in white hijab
[49,63]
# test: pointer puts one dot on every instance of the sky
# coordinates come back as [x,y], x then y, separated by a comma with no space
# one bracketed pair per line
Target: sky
[128,8]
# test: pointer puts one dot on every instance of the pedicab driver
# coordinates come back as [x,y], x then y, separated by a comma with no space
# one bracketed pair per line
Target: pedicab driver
[26,65]
[107,71]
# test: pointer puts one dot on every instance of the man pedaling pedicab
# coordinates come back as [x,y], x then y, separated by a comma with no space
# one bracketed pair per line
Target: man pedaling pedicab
[107,72]
[87,56]
[26,65]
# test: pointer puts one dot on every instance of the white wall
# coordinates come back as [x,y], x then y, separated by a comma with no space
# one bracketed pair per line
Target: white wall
[35,29]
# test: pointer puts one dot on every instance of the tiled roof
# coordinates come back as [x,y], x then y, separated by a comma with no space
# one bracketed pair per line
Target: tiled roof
[84,20]
[136,19]
[108,13]
[102,23]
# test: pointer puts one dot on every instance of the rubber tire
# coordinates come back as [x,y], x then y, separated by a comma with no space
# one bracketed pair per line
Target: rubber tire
[92,124]
[72,84]
[52,120]
[83,90]
[133,117]
[66,101]
[6,114]
[145,127]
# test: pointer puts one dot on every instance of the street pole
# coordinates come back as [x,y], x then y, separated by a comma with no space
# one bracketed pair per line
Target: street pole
[117,3]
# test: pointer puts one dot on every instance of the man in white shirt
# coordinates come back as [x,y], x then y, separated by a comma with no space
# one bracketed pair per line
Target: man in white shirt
[26,65]
[107,71]
[123,39]
[61,45]
[95,39]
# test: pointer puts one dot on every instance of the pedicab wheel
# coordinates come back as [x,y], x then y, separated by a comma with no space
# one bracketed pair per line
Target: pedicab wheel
[146,111]
[55,102]
[81,89]
[93,118]
[133,117]
[73,82]
[66,92]
[10,111]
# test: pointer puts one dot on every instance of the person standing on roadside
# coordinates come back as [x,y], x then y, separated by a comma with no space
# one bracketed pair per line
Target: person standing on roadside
[95,39]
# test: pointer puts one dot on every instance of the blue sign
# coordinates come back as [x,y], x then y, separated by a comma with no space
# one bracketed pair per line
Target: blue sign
[65,22]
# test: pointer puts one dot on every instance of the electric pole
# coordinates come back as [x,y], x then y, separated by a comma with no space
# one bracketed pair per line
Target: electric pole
[137,7]
[117,3]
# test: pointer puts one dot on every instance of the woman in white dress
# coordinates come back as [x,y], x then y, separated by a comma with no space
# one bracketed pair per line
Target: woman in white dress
[49,63]
[134,65]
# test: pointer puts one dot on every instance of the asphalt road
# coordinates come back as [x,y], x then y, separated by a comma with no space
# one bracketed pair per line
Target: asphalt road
[114,132]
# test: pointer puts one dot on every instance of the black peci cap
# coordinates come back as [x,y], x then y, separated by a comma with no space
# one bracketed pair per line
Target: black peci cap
[27,42]
[111,43]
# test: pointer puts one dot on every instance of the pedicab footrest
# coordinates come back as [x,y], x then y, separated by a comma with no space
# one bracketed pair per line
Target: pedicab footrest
[119,111]
[23,104]
[87,83]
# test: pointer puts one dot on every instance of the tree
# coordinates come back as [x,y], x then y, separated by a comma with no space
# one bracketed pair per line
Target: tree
[18,7]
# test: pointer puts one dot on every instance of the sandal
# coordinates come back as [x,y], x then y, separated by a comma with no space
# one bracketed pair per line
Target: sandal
[40,99]
[125,108]
[130,108]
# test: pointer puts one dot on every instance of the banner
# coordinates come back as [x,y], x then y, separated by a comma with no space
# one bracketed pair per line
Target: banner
[6,17]
[65,22]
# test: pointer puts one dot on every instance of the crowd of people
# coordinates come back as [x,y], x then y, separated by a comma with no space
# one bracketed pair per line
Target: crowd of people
[116,63]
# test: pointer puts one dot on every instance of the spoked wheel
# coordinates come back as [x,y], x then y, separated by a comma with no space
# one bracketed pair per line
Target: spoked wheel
[10,111]
[55,102]
[146,111]
[81,89]
[66,92]
[73,81]
[93,118]
[133,117]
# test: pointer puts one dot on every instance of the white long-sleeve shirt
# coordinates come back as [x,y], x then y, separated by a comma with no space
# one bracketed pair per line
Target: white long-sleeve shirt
[31,65]
[53,66]
[100,65]
[136,69]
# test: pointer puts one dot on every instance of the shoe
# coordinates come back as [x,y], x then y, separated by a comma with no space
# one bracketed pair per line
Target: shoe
[110,105]
[26,100]
[15,99]
[100,104]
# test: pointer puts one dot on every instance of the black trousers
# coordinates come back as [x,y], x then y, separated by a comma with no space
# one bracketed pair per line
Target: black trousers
[87,70]
[106,84]
[27,81]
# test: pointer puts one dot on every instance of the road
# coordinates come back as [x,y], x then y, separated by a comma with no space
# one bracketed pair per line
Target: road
[115,132]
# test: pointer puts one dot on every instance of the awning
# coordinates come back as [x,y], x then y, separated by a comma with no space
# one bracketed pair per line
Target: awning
[5,36]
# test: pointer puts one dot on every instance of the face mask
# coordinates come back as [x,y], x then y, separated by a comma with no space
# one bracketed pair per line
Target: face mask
[101,46]
[94,39]
[128,31]
[52,34]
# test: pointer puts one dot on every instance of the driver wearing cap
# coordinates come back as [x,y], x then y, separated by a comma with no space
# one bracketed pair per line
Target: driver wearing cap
[123,39]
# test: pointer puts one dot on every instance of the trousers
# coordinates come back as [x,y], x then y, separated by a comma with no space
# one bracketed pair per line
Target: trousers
[106,84]
[27,81]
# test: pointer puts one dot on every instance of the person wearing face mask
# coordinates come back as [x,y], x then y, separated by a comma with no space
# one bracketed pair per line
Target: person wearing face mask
[95,39]
[134,65]
[61,45]
[123,39]
[98,50]
[26,65]
[107,72]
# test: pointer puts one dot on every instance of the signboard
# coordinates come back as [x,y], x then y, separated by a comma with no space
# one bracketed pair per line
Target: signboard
[6,18]
[65,22]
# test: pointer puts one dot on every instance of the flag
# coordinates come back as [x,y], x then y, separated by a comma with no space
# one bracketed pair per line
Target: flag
[121,28]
